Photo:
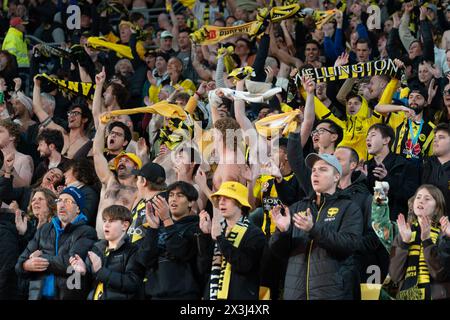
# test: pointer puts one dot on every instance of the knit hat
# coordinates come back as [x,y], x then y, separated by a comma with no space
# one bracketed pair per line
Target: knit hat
[26,101]
[76,194]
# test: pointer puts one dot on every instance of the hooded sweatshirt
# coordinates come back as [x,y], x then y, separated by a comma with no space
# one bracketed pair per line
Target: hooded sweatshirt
[356,126]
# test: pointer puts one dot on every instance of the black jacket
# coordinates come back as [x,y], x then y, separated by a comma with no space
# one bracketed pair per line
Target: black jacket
[120,275]
[321,262]
[77,238]
[444,253]
[370,250]
[437,174]
[403,179]
[245,262]
[169,254]
[90,204]
[9,252]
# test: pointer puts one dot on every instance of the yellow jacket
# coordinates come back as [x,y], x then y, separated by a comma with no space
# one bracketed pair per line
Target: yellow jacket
[15,44]
[355,127]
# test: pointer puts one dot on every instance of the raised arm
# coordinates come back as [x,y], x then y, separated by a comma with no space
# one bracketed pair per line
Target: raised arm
[405,34]
[39,111]
[97,103]
[101,164]
[308,115]
[239,109]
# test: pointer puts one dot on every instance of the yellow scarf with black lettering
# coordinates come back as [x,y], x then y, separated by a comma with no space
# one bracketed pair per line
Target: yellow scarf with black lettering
[417,283]
[72,88]
[221,268]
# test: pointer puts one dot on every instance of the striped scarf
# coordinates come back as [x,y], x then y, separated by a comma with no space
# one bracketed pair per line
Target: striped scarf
[417,277]
[221,268]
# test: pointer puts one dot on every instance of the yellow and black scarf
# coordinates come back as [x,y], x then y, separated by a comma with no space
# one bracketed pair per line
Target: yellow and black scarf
[71,88]
[359,70]
[221,268]
[416,285]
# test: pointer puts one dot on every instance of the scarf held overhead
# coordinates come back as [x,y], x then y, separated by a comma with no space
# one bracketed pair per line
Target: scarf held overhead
[208,34]
[162,108]
[85,89]
[99,43]
[359,70]
[250,97]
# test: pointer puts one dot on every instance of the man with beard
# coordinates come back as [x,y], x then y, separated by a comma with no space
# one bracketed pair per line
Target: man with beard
[50,144]
[76,143]
[118,138]
[116,189]
[413,132]
[23,110]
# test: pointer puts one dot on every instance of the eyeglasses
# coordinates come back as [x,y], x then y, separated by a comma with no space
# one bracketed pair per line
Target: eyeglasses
[117,134]
[74,113]
[321,131]
[65,201]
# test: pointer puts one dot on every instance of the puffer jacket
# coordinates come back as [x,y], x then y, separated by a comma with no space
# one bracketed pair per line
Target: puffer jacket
[120,275]
[370,250]
[9,252]
[169,256]
[77,238]
[321,262]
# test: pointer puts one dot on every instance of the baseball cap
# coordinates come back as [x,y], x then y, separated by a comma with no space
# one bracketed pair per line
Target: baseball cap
[14,22]
[234,190]
[76,194]
[328,158]
[166,34]
[152,172]
[131,156]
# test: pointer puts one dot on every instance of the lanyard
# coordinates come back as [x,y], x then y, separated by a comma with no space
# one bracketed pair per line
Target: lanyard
[414,138]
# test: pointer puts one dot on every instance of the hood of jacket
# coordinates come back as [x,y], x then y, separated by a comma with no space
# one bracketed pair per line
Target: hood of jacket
[363,112]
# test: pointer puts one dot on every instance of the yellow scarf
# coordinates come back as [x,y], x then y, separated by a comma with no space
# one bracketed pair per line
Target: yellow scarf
[100,43]
[162,108]
[272,125]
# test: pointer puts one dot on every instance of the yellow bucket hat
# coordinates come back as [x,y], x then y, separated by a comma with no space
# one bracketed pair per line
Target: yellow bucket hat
[234,190]
[130,155]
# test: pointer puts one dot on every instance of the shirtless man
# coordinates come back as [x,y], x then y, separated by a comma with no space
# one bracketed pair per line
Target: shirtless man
[120,189]
[77,119]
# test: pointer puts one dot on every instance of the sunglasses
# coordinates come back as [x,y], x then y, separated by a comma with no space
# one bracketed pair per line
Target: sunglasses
[446,92]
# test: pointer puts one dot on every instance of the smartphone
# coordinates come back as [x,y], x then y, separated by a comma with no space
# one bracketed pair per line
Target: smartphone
[2,97]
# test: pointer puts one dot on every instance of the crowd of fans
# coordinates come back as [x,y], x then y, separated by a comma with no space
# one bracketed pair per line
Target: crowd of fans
[103,204]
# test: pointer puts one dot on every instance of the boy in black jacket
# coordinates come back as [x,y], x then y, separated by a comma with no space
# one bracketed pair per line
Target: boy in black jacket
[169,249]
[111,264]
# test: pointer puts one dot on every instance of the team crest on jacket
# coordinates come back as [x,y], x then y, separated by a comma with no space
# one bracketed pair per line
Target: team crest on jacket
[331,214]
